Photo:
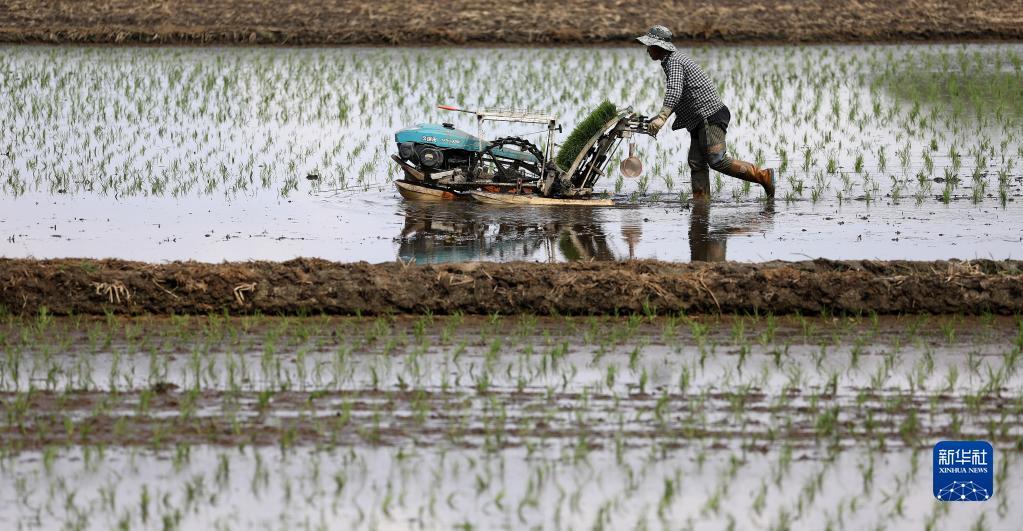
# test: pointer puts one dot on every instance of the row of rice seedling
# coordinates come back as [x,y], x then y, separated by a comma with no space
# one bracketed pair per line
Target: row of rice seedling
[866,123]
[435,421]
[410,487]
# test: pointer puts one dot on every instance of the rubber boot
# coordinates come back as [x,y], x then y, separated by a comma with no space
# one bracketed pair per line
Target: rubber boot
[748,172]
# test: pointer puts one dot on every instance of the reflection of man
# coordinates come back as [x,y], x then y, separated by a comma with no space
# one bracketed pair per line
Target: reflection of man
[694,101]
[704,246]
[708,245]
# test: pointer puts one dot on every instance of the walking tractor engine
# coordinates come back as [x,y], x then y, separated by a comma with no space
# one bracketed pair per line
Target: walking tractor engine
[442,162]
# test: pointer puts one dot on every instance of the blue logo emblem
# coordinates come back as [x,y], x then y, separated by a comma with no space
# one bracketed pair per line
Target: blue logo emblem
[964,471]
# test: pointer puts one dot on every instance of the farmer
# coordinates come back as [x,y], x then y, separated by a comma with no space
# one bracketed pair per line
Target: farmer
[694,101]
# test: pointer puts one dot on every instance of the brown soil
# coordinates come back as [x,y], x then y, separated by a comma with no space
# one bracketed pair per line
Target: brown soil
[505,21]
[312,286]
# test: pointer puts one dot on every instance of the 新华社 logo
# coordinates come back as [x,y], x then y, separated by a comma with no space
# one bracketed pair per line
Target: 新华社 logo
[963,470]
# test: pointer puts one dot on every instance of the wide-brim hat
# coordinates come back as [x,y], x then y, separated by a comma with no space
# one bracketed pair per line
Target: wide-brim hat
[659,36]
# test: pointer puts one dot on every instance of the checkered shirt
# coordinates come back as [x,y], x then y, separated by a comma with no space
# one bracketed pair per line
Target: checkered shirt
[689,91]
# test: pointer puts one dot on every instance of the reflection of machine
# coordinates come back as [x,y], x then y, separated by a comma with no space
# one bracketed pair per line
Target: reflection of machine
[441,162]
[459,231]
[453,232]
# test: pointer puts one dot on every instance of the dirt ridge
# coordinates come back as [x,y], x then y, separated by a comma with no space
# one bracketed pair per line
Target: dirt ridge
[343,22]
[314,286]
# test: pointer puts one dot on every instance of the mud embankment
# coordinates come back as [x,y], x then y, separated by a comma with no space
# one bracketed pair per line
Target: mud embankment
[312,286]
[502,22]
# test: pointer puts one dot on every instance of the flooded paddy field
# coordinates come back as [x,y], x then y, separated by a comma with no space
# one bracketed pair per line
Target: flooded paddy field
[436,421]
[883,151]
[426,488]
[748,394]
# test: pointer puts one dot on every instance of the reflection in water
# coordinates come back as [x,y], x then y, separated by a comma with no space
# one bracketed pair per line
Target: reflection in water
[632,230]
[707,244]
[457,232]
[454,232]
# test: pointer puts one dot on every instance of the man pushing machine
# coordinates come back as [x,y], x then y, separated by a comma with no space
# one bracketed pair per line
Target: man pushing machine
[697,107]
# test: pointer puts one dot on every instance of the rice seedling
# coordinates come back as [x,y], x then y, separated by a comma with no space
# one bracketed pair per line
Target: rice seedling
[839,365]
[237,123]
[518,421]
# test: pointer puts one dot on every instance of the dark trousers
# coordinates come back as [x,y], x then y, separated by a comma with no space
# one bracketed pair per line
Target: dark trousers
[708,150]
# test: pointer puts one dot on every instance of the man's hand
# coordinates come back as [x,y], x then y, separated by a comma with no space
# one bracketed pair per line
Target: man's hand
[655,125]
[658,121]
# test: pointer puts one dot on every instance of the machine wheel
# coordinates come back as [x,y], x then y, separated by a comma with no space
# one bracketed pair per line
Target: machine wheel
[509,170]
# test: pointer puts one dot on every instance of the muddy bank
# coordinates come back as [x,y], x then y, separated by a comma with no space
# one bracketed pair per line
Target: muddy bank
[511,22]
[312,286]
